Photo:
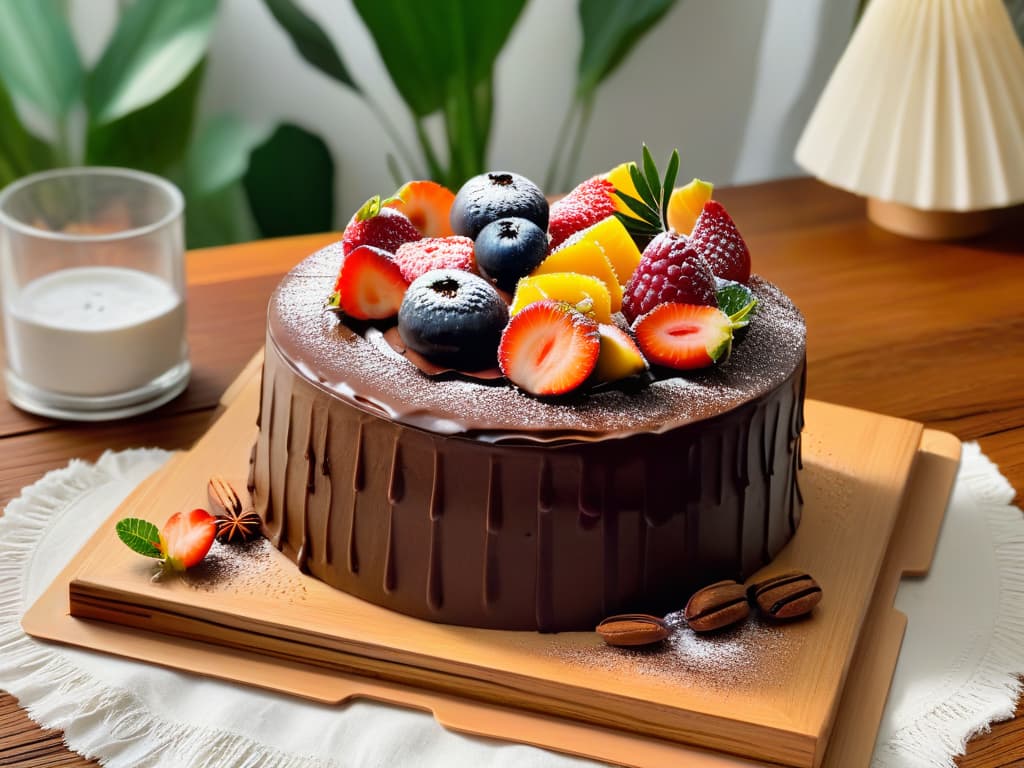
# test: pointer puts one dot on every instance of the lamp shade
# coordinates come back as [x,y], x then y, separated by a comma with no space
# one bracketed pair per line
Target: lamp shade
[925,108]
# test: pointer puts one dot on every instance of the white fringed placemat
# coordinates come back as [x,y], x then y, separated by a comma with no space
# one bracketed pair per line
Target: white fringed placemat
[954,677]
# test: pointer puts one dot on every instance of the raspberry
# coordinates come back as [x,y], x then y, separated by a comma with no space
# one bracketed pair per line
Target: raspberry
[421,256]
[670,270]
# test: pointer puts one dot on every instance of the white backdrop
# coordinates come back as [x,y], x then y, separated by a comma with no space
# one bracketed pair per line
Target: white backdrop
[730,82]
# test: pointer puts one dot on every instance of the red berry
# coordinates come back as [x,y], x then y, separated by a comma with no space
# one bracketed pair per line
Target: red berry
[548,348]
[670,270]
[586,205]
[684,336]
[716,238]
[419,257]
[370,284]
[186,538]
[385,228]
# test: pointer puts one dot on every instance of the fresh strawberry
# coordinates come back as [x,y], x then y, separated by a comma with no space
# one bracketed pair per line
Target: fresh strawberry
[378,226]
[428,206]
[716,238]
[670,270]
[370,285]
[684,336]
[186,538]
[419,257]
[549,348]
[586,205]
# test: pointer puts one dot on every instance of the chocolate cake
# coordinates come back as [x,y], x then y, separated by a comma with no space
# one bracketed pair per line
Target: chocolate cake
[472,503]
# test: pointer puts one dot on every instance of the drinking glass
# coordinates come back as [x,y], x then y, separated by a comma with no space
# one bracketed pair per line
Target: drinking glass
[92,286]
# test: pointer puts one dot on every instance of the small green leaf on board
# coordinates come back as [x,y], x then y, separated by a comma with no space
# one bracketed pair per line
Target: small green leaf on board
[140,536]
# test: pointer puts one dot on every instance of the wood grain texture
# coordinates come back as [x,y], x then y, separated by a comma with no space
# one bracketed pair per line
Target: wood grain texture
[917,330]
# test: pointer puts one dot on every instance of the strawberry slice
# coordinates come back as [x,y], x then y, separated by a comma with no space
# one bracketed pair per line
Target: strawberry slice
[684,336]
[186,538]
[370,285]
[428,206]
[549,348]
[717,239]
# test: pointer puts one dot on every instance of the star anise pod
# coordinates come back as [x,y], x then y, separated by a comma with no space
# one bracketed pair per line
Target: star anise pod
[238,527]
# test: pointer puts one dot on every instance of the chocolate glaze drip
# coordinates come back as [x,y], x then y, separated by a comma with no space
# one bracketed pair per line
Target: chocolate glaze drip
[482,528]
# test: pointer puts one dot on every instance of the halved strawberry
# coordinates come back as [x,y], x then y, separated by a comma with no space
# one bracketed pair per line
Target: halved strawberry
[684,336]
[428,206]
[549,348]
[186,538]
[370,285]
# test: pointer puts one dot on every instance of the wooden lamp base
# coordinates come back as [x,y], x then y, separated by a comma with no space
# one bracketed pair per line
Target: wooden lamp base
[930,225]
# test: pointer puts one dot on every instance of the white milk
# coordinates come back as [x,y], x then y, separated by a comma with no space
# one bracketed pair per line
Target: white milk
[95,331]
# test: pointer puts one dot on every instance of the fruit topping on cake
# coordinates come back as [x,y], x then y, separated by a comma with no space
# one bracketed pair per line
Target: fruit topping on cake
[617,244]
[584,292]
[497,195]
[585,257]
[186,538]
[508,249]
[647,215]
[619,358]
[453,318]
[370,285]
[421,256]
[549,348]
[586,205]
[428,206]
[621,177]
[379,226]
[670,270]
[717,239]
[686,204]
[684,336]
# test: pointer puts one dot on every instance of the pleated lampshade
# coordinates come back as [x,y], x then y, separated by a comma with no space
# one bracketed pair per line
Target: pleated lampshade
[924,113]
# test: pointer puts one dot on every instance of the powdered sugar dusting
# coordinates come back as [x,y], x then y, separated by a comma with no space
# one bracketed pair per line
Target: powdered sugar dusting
[361,367]
[753,655]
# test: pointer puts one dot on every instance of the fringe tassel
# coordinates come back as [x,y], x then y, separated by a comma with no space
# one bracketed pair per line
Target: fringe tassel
[991,695]
[99,721]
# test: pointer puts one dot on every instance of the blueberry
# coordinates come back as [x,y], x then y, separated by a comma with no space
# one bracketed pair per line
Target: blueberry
[508,249]
[453,318]
[497,195]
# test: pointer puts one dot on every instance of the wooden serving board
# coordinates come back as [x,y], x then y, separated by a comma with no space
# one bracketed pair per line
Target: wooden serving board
[764,692]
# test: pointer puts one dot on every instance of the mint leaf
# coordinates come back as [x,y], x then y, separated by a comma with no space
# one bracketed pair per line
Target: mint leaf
[140,535]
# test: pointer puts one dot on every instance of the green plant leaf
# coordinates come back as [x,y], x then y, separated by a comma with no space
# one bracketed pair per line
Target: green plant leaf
[735,299]
[219,218]
[155,46]
[644,211]
[438,49]
[669,184]
[140,535]
[642,187]
[290,183]
[21,153]
[219,156]
[38,58]
[311,41]
[610,30]
[653,177]
[1016,10]
[129,141]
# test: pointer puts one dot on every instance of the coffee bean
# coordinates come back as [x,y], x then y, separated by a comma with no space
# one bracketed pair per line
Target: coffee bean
[633,629]
[786,595]
[716,607]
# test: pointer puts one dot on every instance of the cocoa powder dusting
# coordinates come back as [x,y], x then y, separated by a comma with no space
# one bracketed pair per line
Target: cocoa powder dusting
[255,568]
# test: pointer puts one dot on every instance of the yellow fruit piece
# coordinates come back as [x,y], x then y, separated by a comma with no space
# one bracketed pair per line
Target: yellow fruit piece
[621,179]
[619,357]
[686,204]
[618,246]
[587,258]
[569,287]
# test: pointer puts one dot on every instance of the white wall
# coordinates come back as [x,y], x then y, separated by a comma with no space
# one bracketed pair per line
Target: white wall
[729,82]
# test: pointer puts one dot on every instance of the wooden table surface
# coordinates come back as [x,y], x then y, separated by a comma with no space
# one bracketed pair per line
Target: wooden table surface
[930,332]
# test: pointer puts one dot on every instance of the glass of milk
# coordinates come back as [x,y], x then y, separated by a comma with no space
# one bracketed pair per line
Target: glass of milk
[92,285]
